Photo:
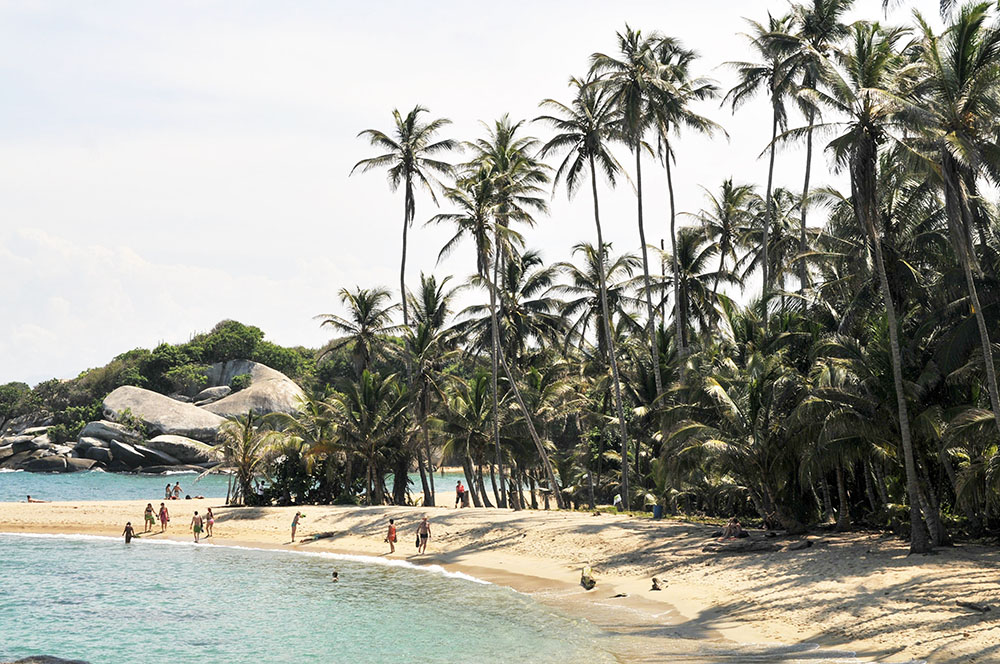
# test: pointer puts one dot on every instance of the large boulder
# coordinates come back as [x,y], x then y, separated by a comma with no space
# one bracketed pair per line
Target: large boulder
[101,454]
[184,450]
[73,465]
[270,391]
[86,442]
[35,431]
[108,431]
[156,457]
[126,454]
[17,460]
[6,451]
[160,470]
[26,446]
[163,415]
[212,394]
[49,464]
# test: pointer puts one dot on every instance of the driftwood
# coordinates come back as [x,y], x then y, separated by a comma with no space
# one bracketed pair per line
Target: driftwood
[740,546]
[982,608]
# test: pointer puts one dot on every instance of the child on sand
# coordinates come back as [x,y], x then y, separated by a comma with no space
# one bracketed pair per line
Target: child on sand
[128,532]
[150,517]
[391,536]
[209,522]
[295,523]
[164,517]
[196,525]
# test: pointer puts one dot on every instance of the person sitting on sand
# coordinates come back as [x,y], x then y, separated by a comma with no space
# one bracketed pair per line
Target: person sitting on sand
[733,530]
[391,536]
[209,522]
[164,517]
[424,534]
[295,523]
[128,532]
[177,491]
[656,584]
[196,526]
[150,517]
[36,500]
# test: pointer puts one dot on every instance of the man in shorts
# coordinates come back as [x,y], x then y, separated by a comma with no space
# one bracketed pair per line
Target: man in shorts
[196,523]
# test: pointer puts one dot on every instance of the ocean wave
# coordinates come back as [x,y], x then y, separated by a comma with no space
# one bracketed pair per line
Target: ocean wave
[367,560]
[10,470]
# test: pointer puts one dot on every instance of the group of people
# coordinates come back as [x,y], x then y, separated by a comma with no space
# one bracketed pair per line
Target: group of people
[199,523]
[423,534]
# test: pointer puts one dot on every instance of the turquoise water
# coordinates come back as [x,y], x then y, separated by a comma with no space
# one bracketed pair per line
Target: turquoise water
[103,601]
[96,485]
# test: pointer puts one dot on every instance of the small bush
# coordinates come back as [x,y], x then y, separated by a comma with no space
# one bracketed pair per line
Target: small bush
[187,379]
[240,382]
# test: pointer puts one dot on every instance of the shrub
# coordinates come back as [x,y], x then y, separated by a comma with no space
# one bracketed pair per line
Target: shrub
[240,382]
[231,340]
[187,379]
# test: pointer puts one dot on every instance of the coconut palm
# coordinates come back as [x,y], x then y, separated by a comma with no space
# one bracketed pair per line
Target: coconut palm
[409,157]
[773,73]
[725,219]
[957,105]
[863,94]
[247,447]
[507,158]
[582,131]
[366,326]
[672,98]
[630,80]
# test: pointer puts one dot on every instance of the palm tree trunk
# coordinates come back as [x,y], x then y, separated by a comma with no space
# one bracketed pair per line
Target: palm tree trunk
[679,322]
[843,511]
[650,323]
[612,356]
[495,351]
[768,208]
[493,484]
[423,478]
[402,261]
[803,205]
[482,487]
[863,177]
[470,477]
[429,499]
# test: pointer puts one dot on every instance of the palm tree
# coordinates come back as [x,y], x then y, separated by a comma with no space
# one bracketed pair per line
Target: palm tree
[773,73]
[366,327]
[582,130]
[517,176]
[957,103]
[429,345]
[864,95]
[676,90]
[246,448]
[409,157]
[630,80]
[725,219]
[696,283]
[818,28]
[371,416]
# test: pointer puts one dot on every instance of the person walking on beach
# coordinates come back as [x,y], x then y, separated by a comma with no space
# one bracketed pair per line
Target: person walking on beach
[164,517]
[177,491]
[209,522]
[295,523]
[391,536]
[459,494]
[150,518]
[424,533]
[196,526]
[128,532]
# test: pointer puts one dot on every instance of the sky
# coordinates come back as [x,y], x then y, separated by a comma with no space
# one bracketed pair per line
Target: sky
[167,165]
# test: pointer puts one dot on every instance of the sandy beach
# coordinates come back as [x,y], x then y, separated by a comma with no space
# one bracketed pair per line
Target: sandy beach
[857,592]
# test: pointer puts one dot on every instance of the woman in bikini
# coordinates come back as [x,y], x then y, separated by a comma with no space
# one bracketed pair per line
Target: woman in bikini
[209,522]
[150,517]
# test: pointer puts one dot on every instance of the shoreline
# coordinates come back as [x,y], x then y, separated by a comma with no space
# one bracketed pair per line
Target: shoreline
[850,594]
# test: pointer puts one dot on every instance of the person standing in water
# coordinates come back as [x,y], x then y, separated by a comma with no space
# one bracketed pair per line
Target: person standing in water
[196,526]
[295,523]
[128,532]
[177,491]
[149,517]
[424,533]
[391,536]
[209,522]
[164,517]
[167,492]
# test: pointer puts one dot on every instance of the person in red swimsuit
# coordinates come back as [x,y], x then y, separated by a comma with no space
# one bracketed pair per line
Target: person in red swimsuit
[391,536]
